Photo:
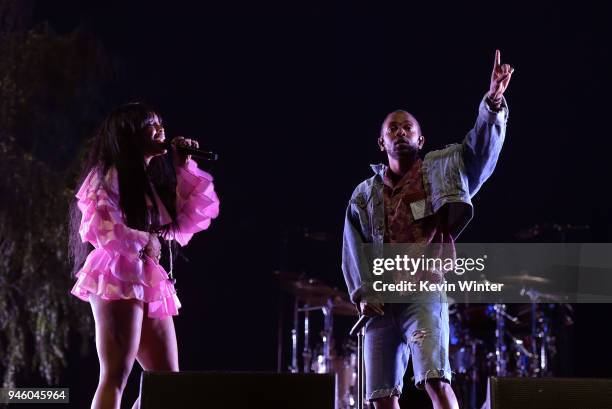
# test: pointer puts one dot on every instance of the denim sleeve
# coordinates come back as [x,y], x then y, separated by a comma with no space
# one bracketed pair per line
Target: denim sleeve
[353,257]
[482,145]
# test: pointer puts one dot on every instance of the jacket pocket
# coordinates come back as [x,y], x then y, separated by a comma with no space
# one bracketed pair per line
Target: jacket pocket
[360,208]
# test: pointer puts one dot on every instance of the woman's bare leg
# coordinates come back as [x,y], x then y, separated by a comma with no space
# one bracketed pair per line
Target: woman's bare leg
[158,349]
[118,327]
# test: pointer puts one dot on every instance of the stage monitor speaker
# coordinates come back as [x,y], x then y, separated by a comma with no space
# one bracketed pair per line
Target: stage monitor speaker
[549,393]
[244,390]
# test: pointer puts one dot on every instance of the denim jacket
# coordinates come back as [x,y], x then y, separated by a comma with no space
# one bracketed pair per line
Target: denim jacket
[451,176]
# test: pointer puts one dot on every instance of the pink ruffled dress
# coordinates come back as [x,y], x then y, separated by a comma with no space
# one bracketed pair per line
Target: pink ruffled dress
[117,268]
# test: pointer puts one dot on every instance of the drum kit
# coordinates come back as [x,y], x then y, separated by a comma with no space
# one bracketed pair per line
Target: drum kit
[515,340]
[314,299]
[506,340]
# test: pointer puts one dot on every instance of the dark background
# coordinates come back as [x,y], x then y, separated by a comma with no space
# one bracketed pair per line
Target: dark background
[292,96]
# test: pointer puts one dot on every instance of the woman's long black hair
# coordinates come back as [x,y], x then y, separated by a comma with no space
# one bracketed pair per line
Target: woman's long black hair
[118,143]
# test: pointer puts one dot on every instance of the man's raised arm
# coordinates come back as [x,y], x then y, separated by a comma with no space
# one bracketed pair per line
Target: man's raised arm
[483,143]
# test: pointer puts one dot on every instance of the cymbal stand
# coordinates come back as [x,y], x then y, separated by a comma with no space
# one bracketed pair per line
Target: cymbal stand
[326,336]
[306,353]
[522,355]
[501,358]
[294,339]
[327,333]
[538,357]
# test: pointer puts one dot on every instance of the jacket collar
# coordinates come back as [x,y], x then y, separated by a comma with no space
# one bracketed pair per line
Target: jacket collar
[379,169]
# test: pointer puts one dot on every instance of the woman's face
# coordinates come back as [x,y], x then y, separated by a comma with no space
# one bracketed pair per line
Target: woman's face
[153,138]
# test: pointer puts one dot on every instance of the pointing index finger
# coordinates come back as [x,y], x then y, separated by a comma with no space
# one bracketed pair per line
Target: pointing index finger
[497,61]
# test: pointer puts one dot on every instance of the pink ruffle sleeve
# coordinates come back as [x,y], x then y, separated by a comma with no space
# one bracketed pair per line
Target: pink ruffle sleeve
[196,201]
[102,222]
[117,268]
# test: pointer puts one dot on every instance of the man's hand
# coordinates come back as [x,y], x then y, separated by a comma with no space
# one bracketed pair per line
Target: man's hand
[371,309]
[499,79]
[181,141]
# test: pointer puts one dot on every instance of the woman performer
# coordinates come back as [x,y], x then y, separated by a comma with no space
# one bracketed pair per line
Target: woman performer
[130,198]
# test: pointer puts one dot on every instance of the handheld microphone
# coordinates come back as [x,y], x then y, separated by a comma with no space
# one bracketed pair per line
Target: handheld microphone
[198,153]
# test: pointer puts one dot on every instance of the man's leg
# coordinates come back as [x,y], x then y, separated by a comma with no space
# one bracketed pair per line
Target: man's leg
[441,394]
[386,358]
[390,402]
[426,331]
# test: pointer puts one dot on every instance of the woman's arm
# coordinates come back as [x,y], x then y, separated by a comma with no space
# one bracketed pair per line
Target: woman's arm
[102,221]
[196,201]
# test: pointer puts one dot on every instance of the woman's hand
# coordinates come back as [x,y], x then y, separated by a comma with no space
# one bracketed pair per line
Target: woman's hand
[153,247]
[180,141]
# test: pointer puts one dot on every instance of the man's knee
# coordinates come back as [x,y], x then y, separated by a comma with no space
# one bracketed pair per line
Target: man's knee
[440,391]
[438,386]
[388,402]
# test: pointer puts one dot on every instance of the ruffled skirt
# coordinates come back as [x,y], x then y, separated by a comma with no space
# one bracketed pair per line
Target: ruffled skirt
[144,280]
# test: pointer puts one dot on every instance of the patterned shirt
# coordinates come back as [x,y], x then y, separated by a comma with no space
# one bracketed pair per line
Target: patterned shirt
[400,224]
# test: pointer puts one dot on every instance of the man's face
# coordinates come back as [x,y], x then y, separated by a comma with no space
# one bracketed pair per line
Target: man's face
[400,135]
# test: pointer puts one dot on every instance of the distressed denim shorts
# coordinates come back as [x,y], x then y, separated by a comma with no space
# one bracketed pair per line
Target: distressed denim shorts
[419,329]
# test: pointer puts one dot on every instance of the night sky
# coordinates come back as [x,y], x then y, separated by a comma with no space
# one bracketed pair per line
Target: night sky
[292,96]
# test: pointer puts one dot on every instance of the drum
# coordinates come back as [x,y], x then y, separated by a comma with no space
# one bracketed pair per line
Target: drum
[345,369]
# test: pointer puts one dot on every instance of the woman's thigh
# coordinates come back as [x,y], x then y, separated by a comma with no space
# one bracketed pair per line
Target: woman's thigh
[118,330]
[158,349]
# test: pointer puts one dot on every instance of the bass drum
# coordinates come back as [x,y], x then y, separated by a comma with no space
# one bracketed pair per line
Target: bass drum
[467,356]
[345,370]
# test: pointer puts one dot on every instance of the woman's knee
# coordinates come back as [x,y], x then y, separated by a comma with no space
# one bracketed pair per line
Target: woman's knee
[115,374]
[158,348]
[118,325]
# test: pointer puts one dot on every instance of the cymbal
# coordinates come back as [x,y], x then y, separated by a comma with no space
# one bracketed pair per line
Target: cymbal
[338,305]
[525,279]
[484,280]
[306,288]
[309,287]
[315,292]
[538,295]
[341,306]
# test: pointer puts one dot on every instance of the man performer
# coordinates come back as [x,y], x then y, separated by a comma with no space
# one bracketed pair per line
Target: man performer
[414,200]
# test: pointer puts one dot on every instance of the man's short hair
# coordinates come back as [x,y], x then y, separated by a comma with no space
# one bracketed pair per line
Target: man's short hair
[382,127]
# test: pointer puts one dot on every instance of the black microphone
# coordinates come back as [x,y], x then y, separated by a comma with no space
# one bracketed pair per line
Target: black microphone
[198,153]
[361,322]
